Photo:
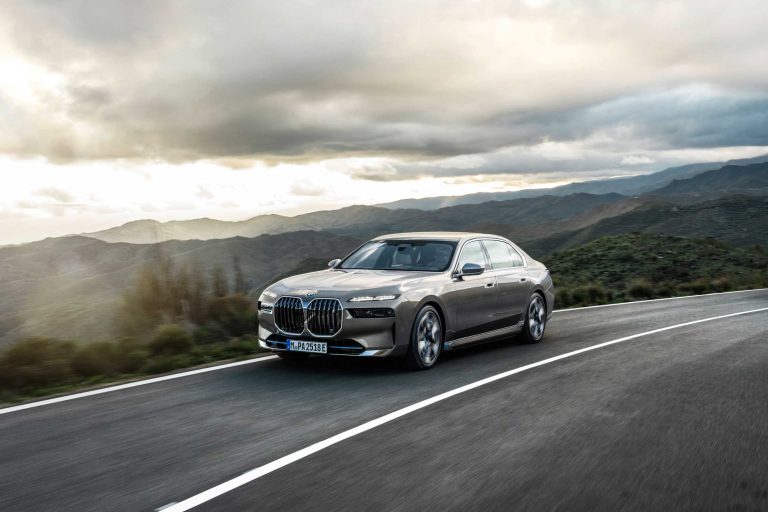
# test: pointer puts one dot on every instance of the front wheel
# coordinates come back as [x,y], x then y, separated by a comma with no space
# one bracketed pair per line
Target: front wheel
[535,319]
[426,340]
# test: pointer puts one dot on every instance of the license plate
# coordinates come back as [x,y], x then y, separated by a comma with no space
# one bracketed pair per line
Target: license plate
[315,347]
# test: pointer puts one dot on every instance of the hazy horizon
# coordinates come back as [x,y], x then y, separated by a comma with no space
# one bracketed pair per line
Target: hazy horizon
[117,111]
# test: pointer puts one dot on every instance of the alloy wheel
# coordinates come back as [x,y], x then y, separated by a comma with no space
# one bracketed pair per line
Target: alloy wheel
[536,317]
[430,336]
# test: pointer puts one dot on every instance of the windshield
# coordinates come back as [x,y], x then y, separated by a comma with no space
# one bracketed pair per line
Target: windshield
[429,256]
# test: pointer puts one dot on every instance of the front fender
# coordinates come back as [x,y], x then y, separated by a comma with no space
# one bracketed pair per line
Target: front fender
[406,314]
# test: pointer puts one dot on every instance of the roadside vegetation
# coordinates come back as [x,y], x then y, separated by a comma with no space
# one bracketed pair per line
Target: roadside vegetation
[644,266]
[173,317]
[180,316]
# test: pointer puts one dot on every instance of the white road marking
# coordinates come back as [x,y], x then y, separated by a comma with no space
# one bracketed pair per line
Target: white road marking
[260,471]
[134,384]
[656,300]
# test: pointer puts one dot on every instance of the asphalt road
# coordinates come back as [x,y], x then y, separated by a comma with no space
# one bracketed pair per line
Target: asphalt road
[677,420]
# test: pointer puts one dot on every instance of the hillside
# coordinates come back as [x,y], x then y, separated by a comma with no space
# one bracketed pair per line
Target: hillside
[630,186]
[634,266]
[730,180]
[523,214]
[70,287]
[517,216]
[740,220]
[152,231]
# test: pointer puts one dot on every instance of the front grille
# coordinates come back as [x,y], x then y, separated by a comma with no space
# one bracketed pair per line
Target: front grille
[324,317]
[289,315]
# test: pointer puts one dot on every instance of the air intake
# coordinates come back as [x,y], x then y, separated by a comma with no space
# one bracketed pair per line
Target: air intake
[324,317]
[288,313]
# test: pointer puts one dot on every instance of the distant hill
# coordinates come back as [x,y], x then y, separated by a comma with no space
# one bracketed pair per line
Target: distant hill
[519,208]
[71,287]
[629,186]
[152,231]
[740,220]
[368,220]
[729,180]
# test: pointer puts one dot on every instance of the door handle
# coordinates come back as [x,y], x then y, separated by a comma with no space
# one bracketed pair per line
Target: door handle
[489,285]
[522,279]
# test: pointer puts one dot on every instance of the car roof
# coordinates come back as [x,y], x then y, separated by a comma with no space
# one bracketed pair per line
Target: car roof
[434,235]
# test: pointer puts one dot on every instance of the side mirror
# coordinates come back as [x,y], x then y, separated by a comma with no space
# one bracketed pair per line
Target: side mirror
[471,269]
[333,263]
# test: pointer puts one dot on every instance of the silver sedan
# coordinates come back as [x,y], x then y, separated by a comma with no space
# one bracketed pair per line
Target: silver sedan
[409,295]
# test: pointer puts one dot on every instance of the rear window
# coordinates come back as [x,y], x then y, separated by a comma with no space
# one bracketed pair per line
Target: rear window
[502,254]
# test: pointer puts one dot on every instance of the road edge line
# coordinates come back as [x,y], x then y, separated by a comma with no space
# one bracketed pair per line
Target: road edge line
[656,300]
[133,384]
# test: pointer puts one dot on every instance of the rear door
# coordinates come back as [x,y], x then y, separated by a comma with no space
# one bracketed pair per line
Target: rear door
[473,299]
[507,266]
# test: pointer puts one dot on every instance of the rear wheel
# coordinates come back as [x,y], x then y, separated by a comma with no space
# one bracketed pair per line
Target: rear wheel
[426,339]
[535,319]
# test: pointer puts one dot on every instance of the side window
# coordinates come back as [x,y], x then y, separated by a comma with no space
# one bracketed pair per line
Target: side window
[503,255]
[516,257]
[472,252]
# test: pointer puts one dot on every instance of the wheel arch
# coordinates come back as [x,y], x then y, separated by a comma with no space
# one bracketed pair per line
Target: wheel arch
[438,304]
[547,294]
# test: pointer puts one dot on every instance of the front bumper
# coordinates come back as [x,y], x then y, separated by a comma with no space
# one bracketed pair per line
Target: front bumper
[333,350]
[359,337]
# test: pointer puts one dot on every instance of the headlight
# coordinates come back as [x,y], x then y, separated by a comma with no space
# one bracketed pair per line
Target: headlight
[266,307]
[367,298]
[270,294]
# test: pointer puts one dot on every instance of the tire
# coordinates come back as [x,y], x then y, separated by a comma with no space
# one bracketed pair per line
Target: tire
[293,356]
[535,319]
[426,340]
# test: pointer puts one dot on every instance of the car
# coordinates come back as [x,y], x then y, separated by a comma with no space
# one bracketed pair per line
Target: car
[410,295]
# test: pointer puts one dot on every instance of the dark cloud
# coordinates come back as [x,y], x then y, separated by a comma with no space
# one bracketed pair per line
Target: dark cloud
[414,81]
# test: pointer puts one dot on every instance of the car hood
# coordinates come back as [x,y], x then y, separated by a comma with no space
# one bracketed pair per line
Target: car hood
[349,280]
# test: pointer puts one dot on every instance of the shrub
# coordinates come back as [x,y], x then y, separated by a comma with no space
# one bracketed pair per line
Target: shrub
[595,293]
[721,284]
[563,298]
[698,286]
[235,313]
[640,288]
[132,361]
[665,290]
[578,295]
[170,339]
[212,332]
[36,363]
[165,363]
[99,358]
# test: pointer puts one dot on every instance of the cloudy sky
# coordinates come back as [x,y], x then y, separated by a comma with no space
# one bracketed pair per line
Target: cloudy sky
[169,109]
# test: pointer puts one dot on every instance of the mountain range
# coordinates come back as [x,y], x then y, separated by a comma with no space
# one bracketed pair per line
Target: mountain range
[72,286]
[628,185]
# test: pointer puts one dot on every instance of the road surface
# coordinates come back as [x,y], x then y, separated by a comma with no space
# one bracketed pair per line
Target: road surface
[672,420]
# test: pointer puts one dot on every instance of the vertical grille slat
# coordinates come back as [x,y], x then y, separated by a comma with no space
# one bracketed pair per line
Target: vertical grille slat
[324,317]
[326,323]
[289,315]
